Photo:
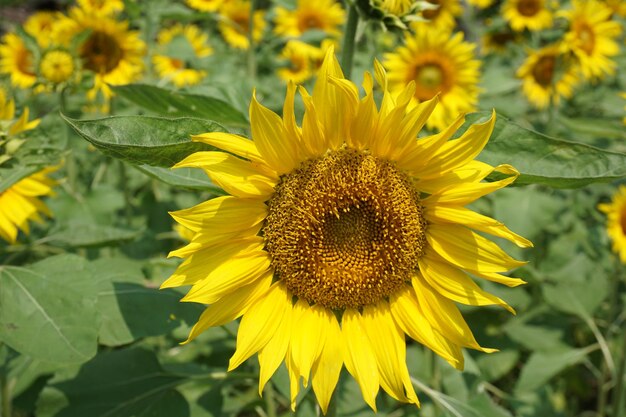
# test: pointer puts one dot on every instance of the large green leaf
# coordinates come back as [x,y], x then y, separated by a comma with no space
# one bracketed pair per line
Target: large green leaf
[48,310]
[90,235]
[543,366]
[155,141]
[545,160]
[175,104]
[191,178]
[123,383]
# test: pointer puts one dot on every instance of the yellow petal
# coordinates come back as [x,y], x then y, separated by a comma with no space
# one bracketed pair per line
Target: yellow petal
[205,239]
[499,278]
[308,335]
[260,323]
[231,306]
[224,214]
[328,366]
[454,284]
[387,341]
[235,144]
[364,125]
[474,171]
[237,177]
[313,134]
[444,316]
[359,356]
[411,125]
[292,130]
[467,249]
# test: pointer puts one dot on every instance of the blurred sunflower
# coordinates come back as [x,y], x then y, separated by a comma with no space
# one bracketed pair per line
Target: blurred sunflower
[616,225]
[185,43]
[303,59]
[547,75]
[40,25]
[438,63]
[101,7]
[234,23]
[111,51]
[592,37]
[206,5]
[442,17]
[57,66]
[618,7]
[496,41]
[481,4]
[7,116]
[342,235]
[527,14]
[323,15]
[17,61]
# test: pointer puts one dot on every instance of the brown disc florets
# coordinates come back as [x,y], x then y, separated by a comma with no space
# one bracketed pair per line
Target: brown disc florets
[345,230]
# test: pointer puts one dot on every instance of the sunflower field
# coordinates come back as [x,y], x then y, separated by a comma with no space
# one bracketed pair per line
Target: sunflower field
[313,207]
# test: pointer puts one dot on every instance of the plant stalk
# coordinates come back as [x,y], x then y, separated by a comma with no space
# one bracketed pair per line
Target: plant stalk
[270,400]
[5,395]
[349,37]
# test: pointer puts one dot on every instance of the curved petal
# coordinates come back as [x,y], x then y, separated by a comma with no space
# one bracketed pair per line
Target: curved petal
[235,144]
[224,214]
[308,335]
[328,366]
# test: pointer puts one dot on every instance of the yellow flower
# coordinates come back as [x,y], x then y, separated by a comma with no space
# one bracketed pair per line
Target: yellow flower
[592,37]
[548,75]
[40,25]
[618,7]
[111,51]
[178,68]
[101,7]
[57,66]
[21,202]
[438,63]
[442,18]
[343,235]
[17,61]
[616,225]
[304,60]
[323,15]
[481,4]
[527,14]
[205,5]
[235,23]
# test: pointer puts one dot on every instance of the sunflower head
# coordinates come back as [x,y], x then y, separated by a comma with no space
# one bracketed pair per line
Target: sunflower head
[234,24]
[533,15]
[57,66]
[343,234]
[40,25]
[616,221]
[17,61]
[322,15]
[394,14]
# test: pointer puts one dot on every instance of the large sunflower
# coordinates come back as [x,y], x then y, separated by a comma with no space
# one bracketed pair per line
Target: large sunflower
[616,225]
[323,15]
[111,51]
[438,63]
[527,14]
[17,61]
[592,37]
[547,75]
[343,235]
[234,23]
[175,66]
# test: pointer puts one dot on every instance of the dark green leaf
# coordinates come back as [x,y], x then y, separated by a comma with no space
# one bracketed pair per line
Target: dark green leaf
[176,104]
[48,310]
[148,140]
[543,366]
[191,178]
[91,235]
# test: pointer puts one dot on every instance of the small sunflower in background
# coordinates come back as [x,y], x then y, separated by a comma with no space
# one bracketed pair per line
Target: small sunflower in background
[101,7]
[323,15]
[17,61]
[533,15]
[547,75]
[185,46]
[57,66]
[437,62]
[303,60]
[616,224]
[481,4]
[394,14]
[618,7]
[497,40]
[111,51]
[592,37]
[441,17]
[205,5]
[40,25]
[343,235]
[234,23]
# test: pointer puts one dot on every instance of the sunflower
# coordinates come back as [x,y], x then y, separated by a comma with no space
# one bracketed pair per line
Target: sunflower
[618,7]
[616,225]
[106,7]
[298,56]
[17,61]
[205,5]
[527,14]
[178,68]
[548,75]
[323,15]
[592,37]
[40,25]
[57,66]
[7,117]
[496,40]
[342,235]
[442,17]
[111,51]
[438,63]
[481,4]
[234,23]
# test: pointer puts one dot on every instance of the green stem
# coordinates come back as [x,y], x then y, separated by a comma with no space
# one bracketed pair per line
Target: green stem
[6,395]
[254,4]
[270,400]
[347,53]
[128,208]
[618,396]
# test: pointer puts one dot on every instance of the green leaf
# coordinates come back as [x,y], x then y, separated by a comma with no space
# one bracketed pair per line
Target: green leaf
[191,178]
[498,364]
[9,176]
[48,310]
[576,297]
[170,103]
[543,366]
[90,235]
[148,140]
[123,383]
[545,160]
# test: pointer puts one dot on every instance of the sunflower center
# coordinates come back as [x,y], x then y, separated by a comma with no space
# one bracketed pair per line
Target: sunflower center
[432,13]
[345,230]
[528,7]
[24,62]
[430,79]
[586,38]
[101,52]
[310,21]
[543,71]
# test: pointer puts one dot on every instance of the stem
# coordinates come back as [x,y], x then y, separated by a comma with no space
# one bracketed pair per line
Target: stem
[128,207]
[270,400]
[254,4]
[618,395]
[6,395]
[347,53]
